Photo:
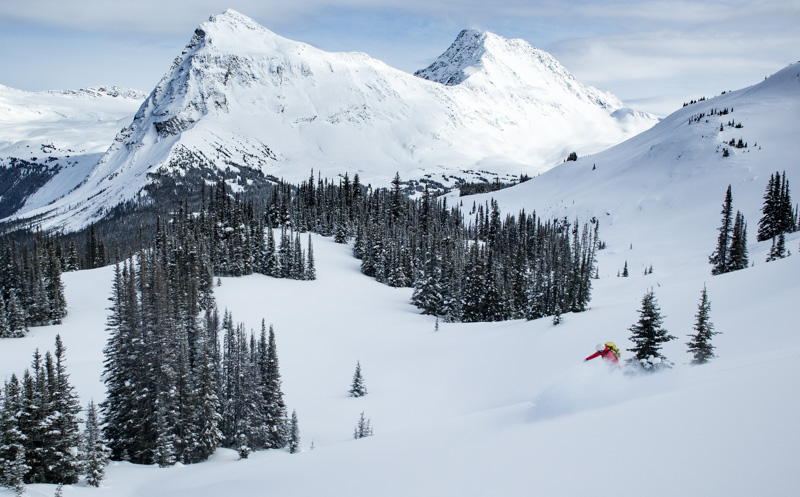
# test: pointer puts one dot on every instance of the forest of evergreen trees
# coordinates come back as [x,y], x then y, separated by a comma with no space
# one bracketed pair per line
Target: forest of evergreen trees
[31,292]
[489,269]
[40,441]
[182,382]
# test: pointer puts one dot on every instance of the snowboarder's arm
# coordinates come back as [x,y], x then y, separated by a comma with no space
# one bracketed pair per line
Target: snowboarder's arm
[596,354]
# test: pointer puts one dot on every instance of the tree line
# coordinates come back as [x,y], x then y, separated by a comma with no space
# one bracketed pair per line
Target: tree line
[31,291]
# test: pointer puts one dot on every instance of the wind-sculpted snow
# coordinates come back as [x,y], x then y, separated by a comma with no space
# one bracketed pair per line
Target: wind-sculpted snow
[240,85]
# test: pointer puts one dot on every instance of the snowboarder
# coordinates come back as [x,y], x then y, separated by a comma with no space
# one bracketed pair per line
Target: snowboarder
[607,351]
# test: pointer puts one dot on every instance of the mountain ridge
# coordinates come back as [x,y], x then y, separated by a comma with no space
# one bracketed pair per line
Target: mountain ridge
[242,99]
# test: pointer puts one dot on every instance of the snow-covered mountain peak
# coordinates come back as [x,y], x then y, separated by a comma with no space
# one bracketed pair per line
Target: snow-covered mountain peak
[482,60]
[232,31]
[459,61]
[242,101]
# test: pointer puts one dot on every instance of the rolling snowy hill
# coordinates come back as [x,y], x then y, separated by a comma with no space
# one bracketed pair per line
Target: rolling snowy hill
[661,192]
[509,408]
[243,98]
[49,141]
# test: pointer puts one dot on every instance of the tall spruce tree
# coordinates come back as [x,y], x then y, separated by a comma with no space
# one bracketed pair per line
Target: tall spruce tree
[94,453]
[738,252]
[648,336]
[700,343]
[720,258]
[66,466]
[777,209]
[13,466]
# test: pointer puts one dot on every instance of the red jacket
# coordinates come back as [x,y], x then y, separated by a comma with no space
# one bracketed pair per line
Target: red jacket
[606,354]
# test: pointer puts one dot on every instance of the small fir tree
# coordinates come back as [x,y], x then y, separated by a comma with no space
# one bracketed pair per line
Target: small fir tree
[294,434]
[778,250]
[648,336]
[363,427]
[358,388]
[625,270]
[243,449]
[700,343]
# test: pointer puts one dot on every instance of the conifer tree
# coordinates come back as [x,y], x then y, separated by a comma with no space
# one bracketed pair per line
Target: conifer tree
[777,209]
[700,343]
[94,452]
[294,434]
[720,258]
[778,250]
[15,316]
[13,467]
[311,270]
[738,251]
[274,407]
[5,331]
[363,427]
[357,387]
[65,467]
[648,336]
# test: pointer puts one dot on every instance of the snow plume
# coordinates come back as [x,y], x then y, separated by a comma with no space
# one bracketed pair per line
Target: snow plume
[597,385]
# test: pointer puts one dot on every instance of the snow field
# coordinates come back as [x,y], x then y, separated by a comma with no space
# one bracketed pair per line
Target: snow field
[489,408]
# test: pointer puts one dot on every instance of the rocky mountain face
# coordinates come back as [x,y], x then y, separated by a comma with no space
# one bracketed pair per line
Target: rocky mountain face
[244,104]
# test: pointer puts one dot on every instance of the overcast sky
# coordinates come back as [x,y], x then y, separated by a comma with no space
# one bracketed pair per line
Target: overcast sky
[653,54]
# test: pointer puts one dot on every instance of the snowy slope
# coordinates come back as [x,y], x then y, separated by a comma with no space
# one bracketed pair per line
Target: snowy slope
[509,408]
[485,409]
[669,182]
[242,96]
[64,132]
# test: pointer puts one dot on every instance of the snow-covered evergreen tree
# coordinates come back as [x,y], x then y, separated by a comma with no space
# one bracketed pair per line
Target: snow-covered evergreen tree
[311,270]
[357,387]
[700,343]
[720,258]
[738,251]
[66,467]
[778,249]
[647,334]
[363,427]
[294,434]
[274,408]
[13,467]
[94,453]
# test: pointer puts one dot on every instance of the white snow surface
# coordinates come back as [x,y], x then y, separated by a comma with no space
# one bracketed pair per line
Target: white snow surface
[242,96]
[70,129]
[510,409]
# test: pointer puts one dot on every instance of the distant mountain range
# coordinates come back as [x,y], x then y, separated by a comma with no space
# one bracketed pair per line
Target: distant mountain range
[244,104]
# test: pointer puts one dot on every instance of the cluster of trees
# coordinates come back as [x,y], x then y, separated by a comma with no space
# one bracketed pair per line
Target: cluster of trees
[648,335]
[173,393]
[778,216]
[31,291]
[241,241]
[490,270]
[518,267]
[778,219]
[40,441]
[731,251]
